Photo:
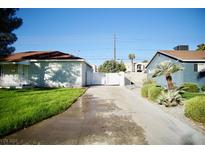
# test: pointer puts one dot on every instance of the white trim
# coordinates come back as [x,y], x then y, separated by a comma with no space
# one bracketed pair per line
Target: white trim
[194,60]
[36,60]
[45,60]
[55,60]
[21,62]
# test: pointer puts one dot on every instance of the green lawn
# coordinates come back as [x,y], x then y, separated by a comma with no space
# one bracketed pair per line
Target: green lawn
[21,108]
[188,95]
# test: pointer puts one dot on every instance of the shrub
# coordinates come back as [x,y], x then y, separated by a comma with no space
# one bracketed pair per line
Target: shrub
[148,81]
[203,88]
[195,108]
[153,92]
[191,87]
[188,95]
[170,98]
[145,88]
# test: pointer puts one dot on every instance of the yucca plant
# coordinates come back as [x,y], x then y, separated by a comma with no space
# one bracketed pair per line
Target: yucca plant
[171,97]
[167,68]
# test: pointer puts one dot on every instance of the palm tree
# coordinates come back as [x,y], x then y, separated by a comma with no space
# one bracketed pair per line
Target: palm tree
[167,68]
[132,57]
[201,47]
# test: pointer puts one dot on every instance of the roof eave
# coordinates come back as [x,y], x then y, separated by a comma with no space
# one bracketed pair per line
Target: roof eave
[36,60]
[178,59]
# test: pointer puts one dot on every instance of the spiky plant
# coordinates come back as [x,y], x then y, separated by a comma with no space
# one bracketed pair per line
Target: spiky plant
[170,97]
[167,68]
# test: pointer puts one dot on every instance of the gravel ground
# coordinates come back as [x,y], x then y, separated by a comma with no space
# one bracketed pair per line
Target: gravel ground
[177,112]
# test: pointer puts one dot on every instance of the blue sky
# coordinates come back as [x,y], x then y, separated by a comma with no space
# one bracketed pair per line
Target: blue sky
[88,33]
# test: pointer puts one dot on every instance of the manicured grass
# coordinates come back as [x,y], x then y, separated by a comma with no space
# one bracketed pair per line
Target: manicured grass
[21,108]
[189,95]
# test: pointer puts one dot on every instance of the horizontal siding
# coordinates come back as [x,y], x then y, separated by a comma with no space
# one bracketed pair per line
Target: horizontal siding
[177,77]
[191,76]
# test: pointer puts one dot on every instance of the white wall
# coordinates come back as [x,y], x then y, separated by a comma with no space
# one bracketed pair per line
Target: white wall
[86,74]
[14,75]
[55,74]
[99,78]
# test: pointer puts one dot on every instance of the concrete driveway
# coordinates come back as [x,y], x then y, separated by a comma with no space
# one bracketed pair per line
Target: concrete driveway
[95,118]
[110,115]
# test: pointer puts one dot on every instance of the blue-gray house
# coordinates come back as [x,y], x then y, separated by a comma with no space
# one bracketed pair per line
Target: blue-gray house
[193,62]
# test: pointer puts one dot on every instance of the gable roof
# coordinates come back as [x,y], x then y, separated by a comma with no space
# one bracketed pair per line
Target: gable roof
[190,56]
[37,55]
[184,55]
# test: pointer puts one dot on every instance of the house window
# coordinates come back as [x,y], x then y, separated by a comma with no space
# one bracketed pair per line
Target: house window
[201,67]
[195,67]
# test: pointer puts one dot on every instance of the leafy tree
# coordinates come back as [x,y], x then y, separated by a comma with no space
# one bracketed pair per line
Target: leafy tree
[201,47]
[132,57]
[8,23]
[166,68]
[112,66]
[145,61]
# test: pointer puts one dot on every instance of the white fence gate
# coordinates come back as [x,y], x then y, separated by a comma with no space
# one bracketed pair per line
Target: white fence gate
[108,78]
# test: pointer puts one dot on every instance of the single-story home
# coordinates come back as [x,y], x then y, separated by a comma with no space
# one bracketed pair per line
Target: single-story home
[193,62]
[44,69]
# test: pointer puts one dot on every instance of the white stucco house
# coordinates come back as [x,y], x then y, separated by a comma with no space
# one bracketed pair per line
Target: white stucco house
[44,69]
[193,63]
[137,66]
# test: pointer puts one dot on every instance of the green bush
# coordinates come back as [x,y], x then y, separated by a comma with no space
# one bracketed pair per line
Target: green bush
[188,95]
[203,88]
[145,88]
[153,92]
[195,108]
[148,81]
[191,87]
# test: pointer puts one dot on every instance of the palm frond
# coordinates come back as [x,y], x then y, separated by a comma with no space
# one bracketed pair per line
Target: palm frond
[166,67]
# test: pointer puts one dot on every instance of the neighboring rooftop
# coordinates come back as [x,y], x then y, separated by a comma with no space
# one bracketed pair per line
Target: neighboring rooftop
[181,47]
[189,56]
[184,55]
[37,55]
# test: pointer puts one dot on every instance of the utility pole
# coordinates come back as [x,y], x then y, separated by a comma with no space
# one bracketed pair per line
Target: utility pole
[114,47]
